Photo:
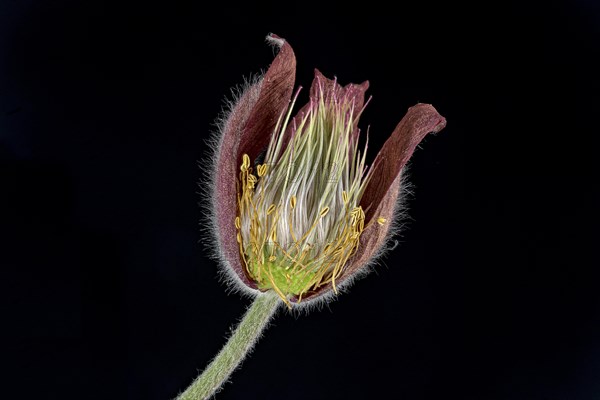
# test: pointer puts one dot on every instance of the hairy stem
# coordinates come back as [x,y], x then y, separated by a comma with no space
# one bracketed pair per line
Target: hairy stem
[233,353]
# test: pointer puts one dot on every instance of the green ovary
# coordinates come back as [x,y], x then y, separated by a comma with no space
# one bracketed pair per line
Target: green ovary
[287,281]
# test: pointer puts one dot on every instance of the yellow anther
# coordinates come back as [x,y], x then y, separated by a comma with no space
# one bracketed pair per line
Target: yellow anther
[345,197]
[272,258]
[237,223]
[245,163]
[293,202]
[271,209]
[239,238]
[274,236]
[324,212]
[381,220]
[261,170]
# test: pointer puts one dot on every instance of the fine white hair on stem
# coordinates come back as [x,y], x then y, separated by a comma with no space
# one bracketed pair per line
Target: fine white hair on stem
[239,345]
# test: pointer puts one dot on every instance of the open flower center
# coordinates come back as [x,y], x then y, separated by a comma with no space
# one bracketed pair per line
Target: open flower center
[299,218]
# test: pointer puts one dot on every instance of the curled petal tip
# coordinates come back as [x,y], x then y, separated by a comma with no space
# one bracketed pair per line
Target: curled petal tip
[439,126]
[434,120]
[275,40]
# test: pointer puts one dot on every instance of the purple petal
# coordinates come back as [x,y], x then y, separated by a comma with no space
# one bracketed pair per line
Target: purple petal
[248,129]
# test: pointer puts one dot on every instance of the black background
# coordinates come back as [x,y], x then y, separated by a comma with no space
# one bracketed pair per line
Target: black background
[491,294]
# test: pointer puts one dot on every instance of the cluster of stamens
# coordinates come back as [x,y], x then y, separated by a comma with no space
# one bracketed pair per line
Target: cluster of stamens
[299,220]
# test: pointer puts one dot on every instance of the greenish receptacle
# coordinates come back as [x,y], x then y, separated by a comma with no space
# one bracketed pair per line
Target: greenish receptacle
[289,280]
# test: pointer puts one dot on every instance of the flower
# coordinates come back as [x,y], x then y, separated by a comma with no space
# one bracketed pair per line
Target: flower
[306,216]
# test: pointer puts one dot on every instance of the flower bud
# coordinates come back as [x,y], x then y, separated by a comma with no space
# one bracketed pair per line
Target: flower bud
[295,208]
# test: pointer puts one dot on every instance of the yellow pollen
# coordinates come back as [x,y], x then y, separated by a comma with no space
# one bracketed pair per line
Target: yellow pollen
[381,220]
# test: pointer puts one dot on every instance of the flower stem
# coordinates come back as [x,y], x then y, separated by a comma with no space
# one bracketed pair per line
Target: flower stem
[232,354]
